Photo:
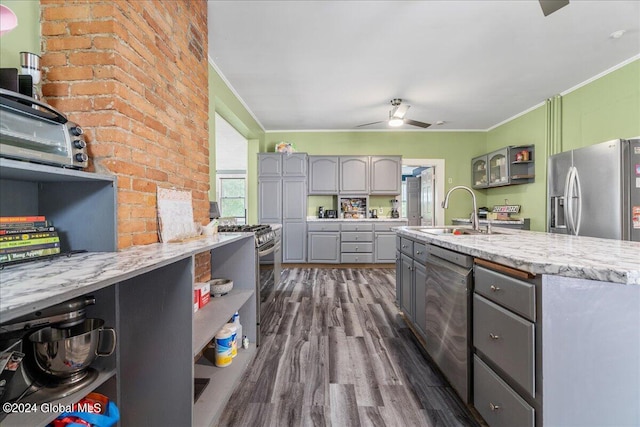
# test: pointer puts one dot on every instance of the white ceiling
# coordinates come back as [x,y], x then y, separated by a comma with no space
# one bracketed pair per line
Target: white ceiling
[332,65]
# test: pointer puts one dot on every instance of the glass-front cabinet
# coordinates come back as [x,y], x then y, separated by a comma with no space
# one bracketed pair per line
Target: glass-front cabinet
[498,167]
[479,172]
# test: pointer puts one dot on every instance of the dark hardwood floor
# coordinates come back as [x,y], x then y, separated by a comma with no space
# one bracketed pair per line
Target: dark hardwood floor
[335,352]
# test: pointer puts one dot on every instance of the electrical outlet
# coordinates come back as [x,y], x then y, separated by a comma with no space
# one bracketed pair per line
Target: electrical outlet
[381,211]
[450,180]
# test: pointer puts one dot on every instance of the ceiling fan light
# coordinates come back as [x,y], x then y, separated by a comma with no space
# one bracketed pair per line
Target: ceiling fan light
[395,122]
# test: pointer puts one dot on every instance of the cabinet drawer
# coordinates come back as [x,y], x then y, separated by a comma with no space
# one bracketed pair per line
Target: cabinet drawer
[406,246]
[355,226]
[357,258]
[387,226]
[498,404]
[514,294]
[323,226]
[506,339]
[357,236]
[419,252]
[357,247]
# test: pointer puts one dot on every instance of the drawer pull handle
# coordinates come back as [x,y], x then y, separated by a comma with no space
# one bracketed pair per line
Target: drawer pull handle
[494,407]
[494,288]
[404,246]
[494,336]
[418,252]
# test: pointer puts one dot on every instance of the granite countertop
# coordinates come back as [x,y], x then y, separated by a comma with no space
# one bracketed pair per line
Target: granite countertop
[35,285]
[590,258]
[315,218]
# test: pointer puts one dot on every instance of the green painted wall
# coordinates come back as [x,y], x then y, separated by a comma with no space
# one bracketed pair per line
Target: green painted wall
[605,109]
[224,102]
[456,148]
[527,129]
[25,37]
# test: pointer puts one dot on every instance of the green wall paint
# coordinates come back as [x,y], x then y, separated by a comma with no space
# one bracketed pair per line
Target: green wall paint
[25,37]
[605,109]
[527,129]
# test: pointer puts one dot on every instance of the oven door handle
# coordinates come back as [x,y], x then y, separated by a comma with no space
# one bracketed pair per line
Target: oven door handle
[271,250]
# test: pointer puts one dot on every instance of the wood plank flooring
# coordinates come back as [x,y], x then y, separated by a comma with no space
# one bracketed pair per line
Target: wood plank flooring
[335,352]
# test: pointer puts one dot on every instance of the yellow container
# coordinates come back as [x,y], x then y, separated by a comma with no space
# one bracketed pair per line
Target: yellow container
[224,348]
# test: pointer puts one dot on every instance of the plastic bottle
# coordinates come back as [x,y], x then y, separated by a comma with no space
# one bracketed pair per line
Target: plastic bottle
[245,342]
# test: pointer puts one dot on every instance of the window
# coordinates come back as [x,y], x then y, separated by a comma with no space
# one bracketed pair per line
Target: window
[232,199]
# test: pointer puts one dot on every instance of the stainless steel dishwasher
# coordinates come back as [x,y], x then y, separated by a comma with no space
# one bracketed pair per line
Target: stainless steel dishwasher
[448,315]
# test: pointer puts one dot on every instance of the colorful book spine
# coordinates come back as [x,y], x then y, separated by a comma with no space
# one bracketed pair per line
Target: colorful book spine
[30,242]
[19,256]
[29,248]
[11,231]
[14,219]
[23,225]
[27,236]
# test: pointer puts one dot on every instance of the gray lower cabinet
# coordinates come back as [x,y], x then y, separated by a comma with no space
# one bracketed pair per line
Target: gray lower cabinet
[356,243]
[323,242]
[398,271]
[504,342]
[385,246]
[294,237]
[412,277]
[323,175]
[406,286]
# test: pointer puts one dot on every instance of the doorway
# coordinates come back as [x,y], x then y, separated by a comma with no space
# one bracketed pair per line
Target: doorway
[423,191]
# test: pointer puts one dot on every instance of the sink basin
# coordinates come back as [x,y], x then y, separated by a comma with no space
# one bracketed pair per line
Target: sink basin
[453,231]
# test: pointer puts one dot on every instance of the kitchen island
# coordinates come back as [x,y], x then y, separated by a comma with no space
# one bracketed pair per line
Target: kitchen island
[551,322]
[146,294]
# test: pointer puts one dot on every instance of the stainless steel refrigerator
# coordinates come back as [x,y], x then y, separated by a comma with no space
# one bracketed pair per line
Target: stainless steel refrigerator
[595,191]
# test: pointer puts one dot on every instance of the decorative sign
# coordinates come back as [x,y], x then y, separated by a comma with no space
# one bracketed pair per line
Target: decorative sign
[175,215]
[509,209]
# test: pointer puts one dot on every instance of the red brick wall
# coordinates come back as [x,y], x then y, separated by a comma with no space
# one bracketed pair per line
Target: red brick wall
[133,74]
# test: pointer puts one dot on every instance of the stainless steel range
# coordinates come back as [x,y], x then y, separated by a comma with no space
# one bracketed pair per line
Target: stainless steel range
[268,255]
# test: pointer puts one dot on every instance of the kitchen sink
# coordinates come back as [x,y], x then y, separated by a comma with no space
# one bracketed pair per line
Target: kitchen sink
[454,231]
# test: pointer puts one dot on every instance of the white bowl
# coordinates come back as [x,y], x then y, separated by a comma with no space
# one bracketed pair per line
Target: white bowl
[220,287]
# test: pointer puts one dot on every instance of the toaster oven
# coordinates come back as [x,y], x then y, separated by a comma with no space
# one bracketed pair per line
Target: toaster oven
[34,131]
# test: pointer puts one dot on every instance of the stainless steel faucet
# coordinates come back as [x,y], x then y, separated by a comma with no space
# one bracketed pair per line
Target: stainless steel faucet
[475,224]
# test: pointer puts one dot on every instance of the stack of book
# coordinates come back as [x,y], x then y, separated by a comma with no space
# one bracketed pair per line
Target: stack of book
[27,237]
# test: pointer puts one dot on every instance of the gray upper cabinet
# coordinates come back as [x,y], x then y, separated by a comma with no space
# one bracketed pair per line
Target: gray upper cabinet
[323,174]
[386,175]
[354,175]
[269,164]
[294,199]
[294,164]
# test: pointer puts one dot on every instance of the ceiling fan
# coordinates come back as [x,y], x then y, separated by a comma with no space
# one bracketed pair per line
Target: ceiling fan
[396,116]
[550,6]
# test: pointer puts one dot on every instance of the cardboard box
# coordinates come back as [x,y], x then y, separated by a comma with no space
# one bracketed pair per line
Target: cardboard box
[204,294]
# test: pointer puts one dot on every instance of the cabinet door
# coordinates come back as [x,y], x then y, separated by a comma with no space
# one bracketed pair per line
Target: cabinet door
[385,247]
[498,168]
[294,199]
[386,175]
[406,293]
[420,302]
[479,177]
[323,175]
[294,165]
[354,175]
[324,247]
[294,241]
[269,164]
[270,200]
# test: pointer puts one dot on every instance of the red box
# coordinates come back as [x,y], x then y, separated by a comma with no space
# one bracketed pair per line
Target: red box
[203,293]
[196,300]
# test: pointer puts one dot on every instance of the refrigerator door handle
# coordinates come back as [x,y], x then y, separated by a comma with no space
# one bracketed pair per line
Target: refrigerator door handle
[568,212]
[578,194]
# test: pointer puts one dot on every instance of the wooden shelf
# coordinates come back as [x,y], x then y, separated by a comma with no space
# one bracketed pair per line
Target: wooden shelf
[41,417]
[208,320]
[209,406]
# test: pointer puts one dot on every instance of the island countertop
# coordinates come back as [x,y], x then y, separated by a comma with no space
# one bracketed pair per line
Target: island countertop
[27,287]
[590,258]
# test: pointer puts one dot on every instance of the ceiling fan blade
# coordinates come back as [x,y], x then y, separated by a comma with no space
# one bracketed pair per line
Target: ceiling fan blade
[374,123]
[417,123]
[550,6]
[399,111]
